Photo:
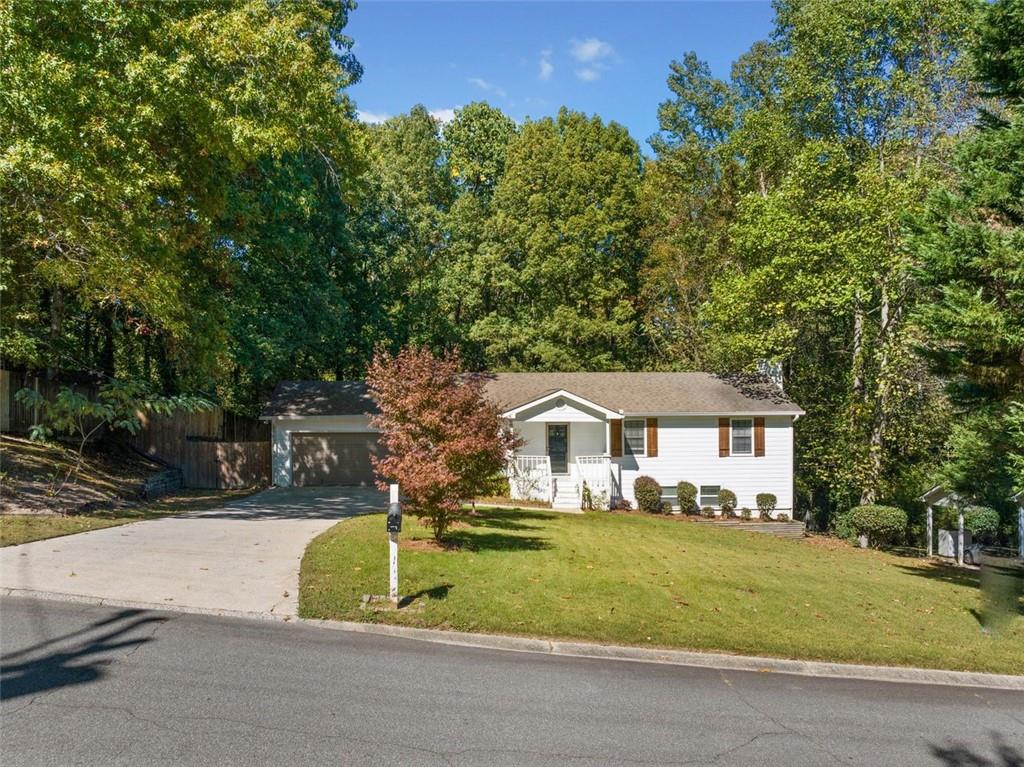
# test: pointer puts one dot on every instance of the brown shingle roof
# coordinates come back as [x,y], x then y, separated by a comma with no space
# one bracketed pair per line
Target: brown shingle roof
[639,393]
[647,392]
[319,398]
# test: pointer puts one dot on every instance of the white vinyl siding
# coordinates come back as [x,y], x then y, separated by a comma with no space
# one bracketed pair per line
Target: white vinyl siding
[742,436]
[634,432]
[688,451]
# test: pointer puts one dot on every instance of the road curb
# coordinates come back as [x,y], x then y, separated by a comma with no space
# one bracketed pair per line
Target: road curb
[57,596]
[720,661]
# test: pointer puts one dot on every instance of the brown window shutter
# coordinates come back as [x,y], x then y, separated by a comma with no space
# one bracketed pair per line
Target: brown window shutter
[652,437]
[615,449]
[723,437]
[759,436]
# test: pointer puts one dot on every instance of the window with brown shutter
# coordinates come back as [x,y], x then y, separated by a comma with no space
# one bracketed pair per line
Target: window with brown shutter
[615,435]
[652,437]
[759,436]
[723,437]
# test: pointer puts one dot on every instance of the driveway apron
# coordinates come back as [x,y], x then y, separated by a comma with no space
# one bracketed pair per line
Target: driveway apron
[243,556]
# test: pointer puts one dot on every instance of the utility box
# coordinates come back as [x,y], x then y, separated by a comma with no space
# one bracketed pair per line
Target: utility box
[948,542]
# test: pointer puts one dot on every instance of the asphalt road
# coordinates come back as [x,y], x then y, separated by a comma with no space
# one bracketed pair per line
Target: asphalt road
[88,685]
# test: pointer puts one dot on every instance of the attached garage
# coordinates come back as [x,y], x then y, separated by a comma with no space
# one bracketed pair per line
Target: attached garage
[333,458]
[322,433]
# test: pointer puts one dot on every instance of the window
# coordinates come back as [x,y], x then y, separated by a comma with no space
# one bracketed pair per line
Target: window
[742,436]
[635,433]
[709,495]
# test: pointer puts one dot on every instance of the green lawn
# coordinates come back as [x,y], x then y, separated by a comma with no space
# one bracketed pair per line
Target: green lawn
[630,579]
[24,528]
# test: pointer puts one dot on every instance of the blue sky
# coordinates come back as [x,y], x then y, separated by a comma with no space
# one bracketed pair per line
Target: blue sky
[529,58]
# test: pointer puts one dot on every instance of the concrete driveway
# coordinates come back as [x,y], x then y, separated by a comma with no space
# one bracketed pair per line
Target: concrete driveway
[243,556]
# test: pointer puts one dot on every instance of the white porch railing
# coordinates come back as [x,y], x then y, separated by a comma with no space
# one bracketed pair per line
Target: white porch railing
[529,478]
[596,472]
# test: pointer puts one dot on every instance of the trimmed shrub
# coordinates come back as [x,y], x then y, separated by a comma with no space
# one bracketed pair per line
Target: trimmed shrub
[782,517]
[648,494]
[687,497]
[726,502]
[725,512]
[586,498]
[707,511]
[766,504]
[746,513]
[666,507]
[880,524]
[982,521]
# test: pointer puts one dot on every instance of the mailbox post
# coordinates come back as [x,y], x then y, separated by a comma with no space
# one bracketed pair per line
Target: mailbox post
[394,528]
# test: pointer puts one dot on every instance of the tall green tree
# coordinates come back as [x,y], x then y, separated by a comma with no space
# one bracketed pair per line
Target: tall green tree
[971,246]
[821,143]
[563,256]
[126,126]
[401,223]
[305,299]
[476,144]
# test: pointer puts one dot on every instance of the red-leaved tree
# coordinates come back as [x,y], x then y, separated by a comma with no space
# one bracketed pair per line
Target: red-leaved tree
[443,442]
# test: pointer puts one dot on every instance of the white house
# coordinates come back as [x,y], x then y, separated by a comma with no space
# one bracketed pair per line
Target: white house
[601,429]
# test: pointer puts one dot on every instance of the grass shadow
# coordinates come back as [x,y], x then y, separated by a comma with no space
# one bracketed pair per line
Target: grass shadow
[435,593]
[504,520]
[939,571]
[466,541]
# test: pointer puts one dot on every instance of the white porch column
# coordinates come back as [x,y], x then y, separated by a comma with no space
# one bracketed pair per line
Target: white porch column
[281,454]
[1020,529]
[931,512]
[960,535]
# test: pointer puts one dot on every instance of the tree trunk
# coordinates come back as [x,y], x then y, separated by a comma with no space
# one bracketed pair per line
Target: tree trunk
[881,407]
[107,350]
[858,350]
[56,330]
[164,369]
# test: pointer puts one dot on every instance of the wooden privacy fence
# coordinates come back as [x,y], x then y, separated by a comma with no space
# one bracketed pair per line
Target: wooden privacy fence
[213,448]
[225,465]
[18,418]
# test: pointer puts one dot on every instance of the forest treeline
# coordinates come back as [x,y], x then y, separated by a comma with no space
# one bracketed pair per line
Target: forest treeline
[189,200]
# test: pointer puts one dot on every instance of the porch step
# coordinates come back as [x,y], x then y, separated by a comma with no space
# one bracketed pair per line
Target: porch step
[566,501]
[565,494]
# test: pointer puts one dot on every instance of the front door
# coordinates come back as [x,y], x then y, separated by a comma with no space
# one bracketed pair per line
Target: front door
[558,447]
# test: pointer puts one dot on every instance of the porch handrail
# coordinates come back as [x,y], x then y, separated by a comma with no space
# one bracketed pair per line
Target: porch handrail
[596,472]
[533,470]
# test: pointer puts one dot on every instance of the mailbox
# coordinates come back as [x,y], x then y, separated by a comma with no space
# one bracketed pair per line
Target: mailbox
[395,518]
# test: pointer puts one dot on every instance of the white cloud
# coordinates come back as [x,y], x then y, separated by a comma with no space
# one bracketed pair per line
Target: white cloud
[594,54]
[590,50]
[373,118]
[481,83]
[546,67]
[443,116]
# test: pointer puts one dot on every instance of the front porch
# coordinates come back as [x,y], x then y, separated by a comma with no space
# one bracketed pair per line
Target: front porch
[566,451]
